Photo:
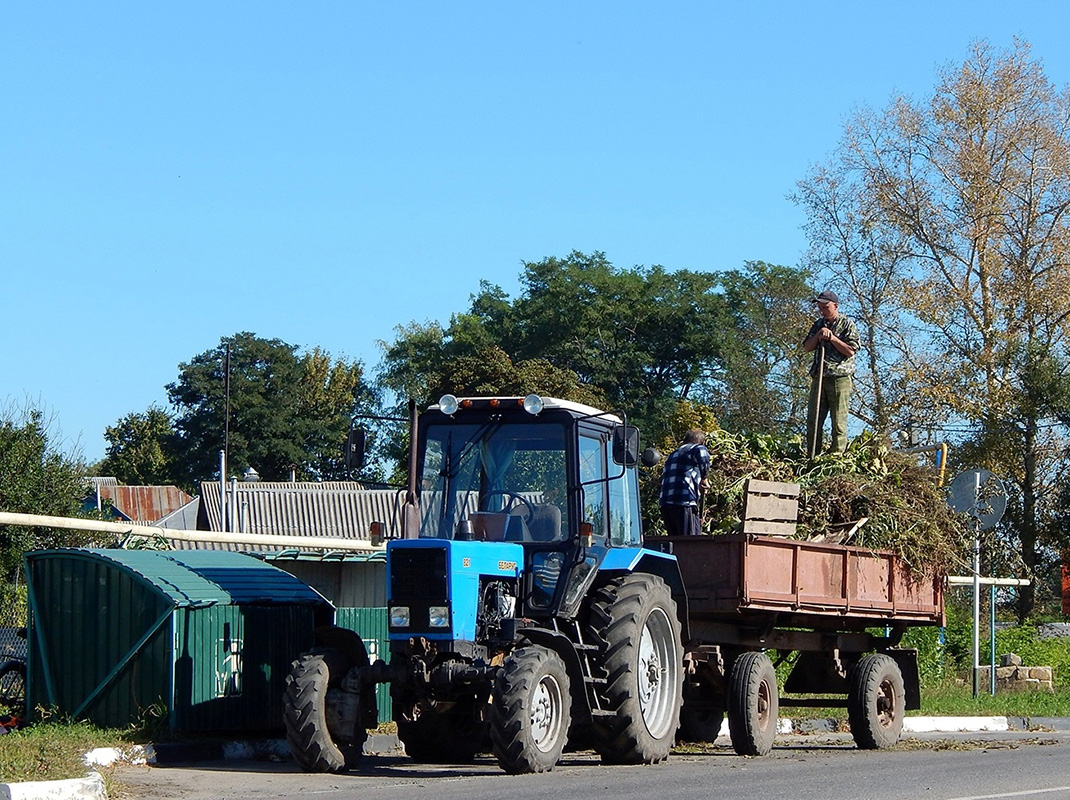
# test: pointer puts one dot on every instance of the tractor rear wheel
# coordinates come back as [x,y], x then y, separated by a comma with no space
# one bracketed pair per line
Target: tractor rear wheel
[633,620]
[317,740]
[530,711]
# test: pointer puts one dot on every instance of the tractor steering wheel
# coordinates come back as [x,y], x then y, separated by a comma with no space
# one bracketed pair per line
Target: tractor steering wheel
[512,498]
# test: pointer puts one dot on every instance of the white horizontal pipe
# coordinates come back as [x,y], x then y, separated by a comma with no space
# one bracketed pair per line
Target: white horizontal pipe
[176,535]
[967,580]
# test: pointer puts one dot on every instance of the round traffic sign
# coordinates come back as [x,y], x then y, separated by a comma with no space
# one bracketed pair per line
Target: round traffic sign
[979,493]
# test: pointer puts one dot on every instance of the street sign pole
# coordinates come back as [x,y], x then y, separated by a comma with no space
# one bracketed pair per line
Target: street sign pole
[980,495]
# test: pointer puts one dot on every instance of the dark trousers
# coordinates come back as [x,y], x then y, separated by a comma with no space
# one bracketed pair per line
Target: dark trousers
[681,520]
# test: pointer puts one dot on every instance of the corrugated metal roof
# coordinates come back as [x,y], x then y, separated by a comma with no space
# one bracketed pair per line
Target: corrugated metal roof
[183,519]
[298,486]
[197,578]
[247,579]
[341,509]
[144,503]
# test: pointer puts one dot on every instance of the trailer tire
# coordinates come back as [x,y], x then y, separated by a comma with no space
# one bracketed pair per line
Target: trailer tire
[876,702]
[13,687]
[633,620]
[452,736]
[753,704]
[530,711]
[702,714]
[315,747]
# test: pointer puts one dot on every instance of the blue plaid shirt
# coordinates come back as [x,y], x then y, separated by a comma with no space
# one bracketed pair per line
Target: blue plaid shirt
[684,470]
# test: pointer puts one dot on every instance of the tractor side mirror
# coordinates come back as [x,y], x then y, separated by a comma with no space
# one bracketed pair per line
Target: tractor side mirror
[354,454]
[626,445]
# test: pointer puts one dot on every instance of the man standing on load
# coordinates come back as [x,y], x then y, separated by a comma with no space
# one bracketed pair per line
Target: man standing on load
[682,483]
[834,340]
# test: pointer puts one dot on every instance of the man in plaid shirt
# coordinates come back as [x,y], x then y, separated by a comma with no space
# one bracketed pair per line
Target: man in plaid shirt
[682,484]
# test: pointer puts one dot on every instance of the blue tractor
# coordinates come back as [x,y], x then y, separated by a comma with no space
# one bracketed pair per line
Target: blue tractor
[524,611]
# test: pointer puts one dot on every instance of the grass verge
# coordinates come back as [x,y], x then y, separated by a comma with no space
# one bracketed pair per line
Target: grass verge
[51,751]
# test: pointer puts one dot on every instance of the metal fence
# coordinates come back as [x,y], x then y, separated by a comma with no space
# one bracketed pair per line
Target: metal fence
[12,617]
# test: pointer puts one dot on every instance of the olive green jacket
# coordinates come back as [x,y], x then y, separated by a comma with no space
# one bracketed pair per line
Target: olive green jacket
[837,365]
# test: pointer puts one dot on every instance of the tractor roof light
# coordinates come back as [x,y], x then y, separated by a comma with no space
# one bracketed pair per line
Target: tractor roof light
[447,404]
[533,404]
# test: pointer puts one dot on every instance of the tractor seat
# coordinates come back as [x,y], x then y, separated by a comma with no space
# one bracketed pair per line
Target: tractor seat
[545,522]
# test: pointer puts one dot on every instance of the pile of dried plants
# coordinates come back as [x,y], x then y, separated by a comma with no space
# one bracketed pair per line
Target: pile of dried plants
[906,508]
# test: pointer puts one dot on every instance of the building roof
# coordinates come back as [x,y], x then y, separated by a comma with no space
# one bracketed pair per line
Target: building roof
[340,509]
[198,578]
[142,503]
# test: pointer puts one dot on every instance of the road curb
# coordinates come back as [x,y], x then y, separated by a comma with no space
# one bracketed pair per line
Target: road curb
[790,727]
[91,787]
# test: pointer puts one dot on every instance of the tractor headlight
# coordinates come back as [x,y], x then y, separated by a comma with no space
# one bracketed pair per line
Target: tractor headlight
[399,617]
[438,616]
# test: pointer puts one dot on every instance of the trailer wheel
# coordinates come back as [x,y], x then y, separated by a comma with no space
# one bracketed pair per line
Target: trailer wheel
[753,704]
[633,619]
[702,714]
[876,702]
[315,735]
[530,711]
[443,736]
[13,687]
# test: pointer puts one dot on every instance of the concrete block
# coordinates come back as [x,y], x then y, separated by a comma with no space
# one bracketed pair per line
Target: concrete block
[1010,660]
[88,788]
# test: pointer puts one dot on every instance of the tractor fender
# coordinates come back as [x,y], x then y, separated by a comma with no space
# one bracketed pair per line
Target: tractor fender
[564,647]
[627,560]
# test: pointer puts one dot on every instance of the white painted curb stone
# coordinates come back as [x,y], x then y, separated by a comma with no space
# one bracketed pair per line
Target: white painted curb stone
[90,787]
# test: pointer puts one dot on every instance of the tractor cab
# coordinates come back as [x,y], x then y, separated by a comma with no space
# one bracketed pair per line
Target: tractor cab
[556,478]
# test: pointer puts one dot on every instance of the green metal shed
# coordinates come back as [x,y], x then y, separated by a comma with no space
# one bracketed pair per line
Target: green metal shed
[355,583]
[205,636]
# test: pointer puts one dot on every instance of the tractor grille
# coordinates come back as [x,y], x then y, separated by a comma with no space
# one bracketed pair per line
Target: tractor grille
[418,574]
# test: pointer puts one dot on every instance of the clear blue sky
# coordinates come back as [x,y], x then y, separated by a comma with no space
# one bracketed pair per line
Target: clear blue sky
[172,173]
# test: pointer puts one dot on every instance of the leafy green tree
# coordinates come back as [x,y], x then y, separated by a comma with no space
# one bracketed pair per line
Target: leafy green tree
[765,380]
[140,448]
[288,410]
[636,339]
[36,478]
[646,337]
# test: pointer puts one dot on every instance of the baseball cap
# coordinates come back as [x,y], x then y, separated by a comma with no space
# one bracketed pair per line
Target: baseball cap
[827,297]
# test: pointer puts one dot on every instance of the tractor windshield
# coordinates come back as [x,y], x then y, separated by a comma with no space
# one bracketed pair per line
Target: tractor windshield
[495,482]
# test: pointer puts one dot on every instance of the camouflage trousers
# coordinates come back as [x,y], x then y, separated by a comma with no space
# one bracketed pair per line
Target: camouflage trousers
[835,392]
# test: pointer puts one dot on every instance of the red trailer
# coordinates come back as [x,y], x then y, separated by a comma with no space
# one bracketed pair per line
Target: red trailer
[754,601]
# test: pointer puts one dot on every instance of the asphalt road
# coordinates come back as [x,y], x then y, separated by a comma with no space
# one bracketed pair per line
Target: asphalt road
[826,767]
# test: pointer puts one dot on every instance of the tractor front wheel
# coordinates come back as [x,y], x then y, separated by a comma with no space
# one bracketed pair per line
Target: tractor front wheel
[530,711]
